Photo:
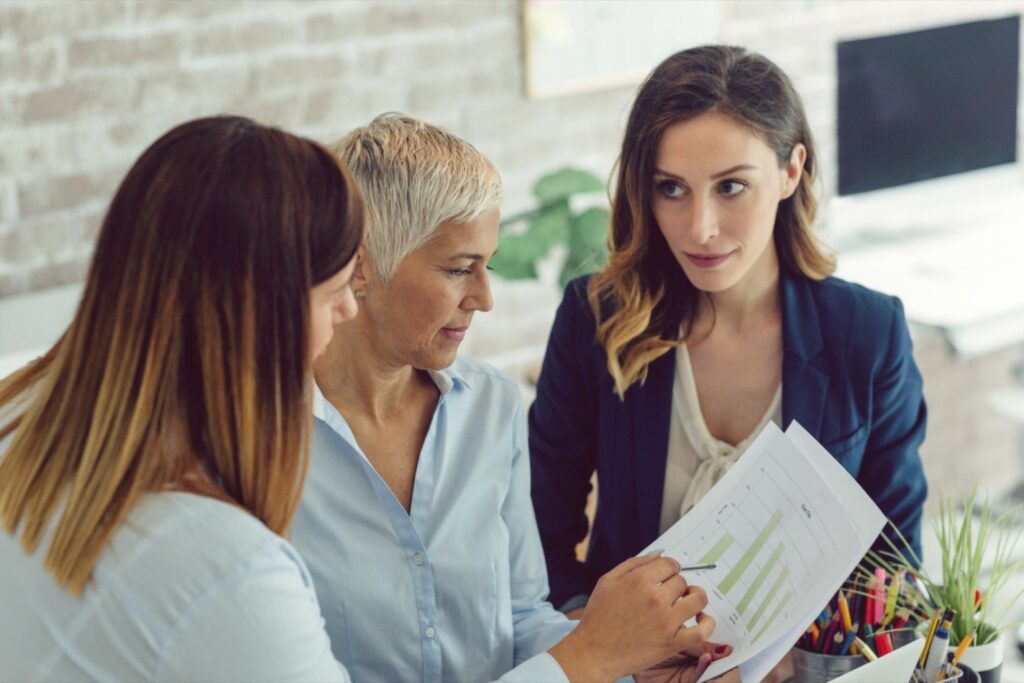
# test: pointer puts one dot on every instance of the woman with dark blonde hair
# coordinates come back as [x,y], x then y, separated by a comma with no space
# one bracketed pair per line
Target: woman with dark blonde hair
[151,460]
[715,313]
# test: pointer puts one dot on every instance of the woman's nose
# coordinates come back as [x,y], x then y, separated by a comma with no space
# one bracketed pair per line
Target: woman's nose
[703,220]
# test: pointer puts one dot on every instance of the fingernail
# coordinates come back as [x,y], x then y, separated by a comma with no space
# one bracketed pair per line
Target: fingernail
[720,649]
[657,551]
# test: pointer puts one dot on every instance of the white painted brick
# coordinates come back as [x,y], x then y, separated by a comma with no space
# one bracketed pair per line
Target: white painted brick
[247,38]
[8,202]
[93,96]
[28,21]
[177,12]
[29,65]
[120,53]
[46,195]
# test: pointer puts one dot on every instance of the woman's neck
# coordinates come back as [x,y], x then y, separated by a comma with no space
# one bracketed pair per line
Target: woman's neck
[354,376]
[748,303]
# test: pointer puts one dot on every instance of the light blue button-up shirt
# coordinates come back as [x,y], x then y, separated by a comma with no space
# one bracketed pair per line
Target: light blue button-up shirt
[455,589]
[187,589]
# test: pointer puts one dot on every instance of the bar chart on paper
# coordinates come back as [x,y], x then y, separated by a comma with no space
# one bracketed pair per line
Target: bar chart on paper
[783,528]
[766,540]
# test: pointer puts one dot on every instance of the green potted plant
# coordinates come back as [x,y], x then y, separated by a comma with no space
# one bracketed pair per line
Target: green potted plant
[528,237]
[980,555]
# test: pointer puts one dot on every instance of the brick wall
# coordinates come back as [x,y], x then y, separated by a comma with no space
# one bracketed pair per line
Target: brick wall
[85,85]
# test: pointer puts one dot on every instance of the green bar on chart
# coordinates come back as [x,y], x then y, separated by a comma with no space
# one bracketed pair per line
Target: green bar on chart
[759,580]
[717,550]
[768,598]
[781,606]
[733,576]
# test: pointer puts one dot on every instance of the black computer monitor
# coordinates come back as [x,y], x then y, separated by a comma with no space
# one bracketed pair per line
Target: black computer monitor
[927,104]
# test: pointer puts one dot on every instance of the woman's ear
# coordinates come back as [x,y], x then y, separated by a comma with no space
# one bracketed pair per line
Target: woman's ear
[794,170]
[360,272]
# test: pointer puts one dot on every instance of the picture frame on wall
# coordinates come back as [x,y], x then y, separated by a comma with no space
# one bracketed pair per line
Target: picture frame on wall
[572,47]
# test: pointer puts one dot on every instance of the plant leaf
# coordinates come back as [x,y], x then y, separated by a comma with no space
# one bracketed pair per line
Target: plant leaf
[551,225]
[564,183]
[516,257]
[587,250]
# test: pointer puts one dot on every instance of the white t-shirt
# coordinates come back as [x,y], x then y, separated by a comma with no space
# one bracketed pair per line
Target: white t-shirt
[189,589]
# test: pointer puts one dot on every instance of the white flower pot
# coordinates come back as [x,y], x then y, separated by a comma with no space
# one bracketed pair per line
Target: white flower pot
[986,659]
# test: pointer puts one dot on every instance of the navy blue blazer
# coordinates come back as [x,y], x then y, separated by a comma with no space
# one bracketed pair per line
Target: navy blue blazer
[848,376]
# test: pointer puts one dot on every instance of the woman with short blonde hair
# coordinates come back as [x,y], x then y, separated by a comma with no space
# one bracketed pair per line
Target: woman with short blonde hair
[416,522]
[414,177]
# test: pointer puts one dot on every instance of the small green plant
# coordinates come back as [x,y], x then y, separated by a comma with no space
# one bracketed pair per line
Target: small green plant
[966,537]
[554,222]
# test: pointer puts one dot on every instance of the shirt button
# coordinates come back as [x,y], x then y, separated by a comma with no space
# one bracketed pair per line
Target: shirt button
[430,632]
[417,559]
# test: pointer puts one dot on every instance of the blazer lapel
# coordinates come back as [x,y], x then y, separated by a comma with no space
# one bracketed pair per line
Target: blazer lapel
[652,408]
[804,383]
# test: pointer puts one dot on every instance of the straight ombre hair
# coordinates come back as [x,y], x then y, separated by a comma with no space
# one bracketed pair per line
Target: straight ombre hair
[186,366]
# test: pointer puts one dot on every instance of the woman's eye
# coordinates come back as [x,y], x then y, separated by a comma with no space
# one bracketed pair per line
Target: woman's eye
[670,189]
[731,188]
[460,272]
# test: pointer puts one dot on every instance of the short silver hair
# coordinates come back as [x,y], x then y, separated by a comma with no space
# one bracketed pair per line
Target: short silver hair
[414,176]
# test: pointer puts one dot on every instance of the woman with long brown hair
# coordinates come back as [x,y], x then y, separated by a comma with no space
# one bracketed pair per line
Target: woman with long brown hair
[715,313]
[151,460]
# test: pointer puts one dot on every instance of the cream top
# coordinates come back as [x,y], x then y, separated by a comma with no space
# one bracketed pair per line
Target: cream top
[696,459]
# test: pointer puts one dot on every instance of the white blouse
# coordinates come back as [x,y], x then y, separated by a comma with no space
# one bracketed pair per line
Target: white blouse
[696,459]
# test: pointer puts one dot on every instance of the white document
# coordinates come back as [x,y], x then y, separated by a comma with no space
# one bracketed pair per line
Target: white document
[785,526]
[895,667]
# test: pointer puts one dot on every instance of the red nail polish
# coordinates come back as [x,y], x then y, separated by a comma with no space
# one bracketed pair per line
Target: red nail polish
[720,649]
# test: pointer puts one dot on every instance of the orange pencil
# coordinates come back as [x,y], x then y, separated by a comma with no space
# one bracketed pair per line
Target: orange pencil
[844,612]
[962,647]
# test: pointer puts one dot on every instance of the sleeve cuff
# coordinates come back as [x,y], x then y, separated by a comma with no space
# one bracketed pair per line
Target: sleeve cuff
[540,669]
[574,602]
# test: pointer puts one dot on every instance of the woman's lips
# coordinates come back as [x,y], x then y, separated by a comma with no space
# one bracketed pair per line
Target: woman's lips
[455,333]
[707,260]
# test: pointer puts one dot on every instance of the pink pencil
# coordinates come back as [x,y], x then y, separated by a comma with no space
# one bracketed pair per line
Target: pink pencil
[879,591]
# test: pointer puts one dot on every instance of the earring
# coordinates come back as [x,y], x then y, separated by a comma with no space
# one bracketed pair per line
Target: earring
[359,294]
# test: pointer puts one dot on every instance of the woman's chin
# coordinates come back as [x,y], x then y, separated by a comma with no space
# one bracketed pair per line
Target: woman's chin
[437,359]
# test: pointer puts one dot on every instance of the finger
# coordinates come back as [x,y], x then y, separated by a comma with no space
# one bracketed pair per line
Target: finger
[718,650]
[692,603]
[703,662]
[658,571]
[672,589]
[691,639]
[629,565]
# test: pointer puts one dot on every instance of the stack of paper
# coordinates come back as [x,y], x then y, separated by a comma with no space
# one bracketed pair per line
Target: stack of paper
[784,527]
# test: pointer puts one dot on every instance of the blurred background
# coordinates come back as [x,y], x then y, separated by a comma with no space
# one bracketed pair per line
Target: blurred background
[915,105]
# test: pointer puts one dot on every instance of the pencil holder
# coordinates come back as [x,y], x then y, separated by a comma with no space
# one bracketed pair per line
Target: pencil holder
[902,636]
[962,674]
[814,667]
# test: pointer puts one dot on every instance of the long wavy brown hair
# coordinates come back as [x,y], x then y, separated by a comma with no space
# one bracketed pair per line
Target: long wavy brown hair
[642,300]
[186,365]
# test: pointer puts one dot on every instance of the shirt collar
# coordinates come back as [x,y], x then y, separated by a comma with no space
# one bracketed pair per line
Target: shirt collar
[445,379]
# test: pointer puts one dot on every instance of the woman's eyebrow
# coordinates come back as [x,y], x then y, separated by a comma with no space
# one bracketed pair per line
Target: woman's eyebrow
[734,169]
[716,176]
